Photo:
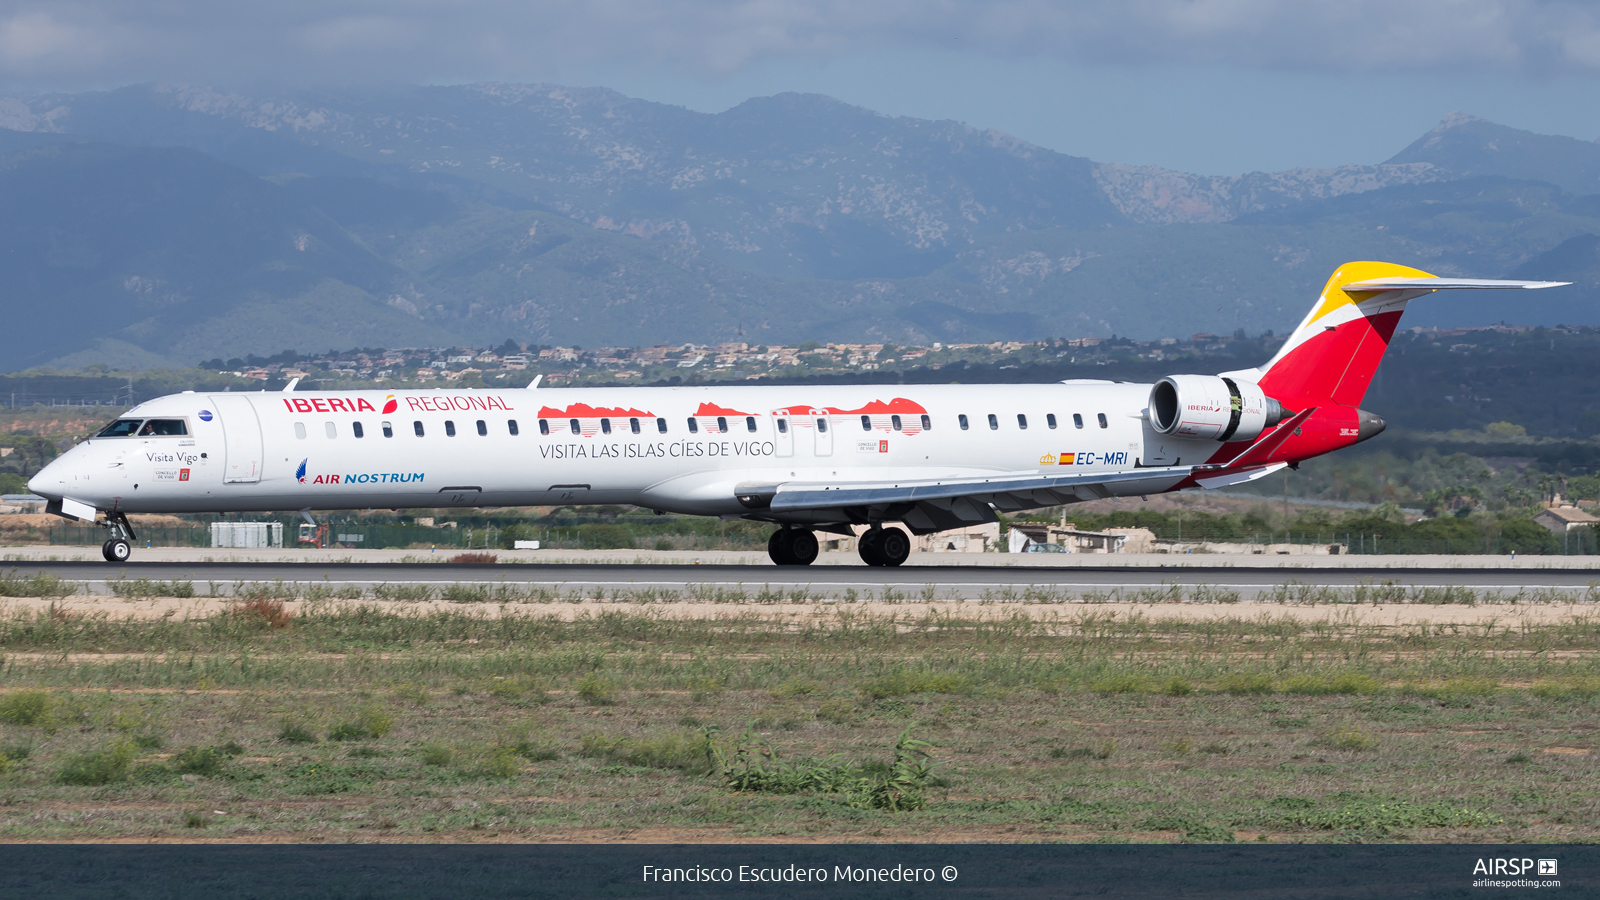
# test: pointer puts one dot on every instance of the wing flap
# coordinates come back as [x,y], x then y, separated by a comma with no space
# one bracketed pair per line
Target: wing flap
[1019,491]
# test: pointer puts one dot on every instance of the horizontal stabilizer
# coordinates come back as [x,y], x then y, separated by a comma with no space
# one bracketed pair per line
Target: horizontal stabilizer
[1445,284]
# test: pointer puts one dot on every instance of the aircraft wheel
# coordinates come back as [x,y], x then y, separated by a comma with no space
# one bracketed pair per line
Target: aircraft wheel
[870,545]
[117,550]
[803,547]
[778,547]
[893,547]
[105,550]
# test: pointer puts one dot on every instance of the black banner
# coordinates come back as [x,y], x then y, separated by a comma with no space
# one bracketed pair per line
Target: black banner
[465,872]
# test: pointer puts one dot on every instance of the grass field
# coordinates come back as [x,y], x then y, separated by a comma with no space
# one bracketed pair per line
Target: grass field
[374,720]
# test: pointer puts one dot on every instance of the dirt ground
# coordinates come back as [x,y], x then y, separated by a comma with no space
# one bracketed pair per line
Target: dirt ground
[1345,614]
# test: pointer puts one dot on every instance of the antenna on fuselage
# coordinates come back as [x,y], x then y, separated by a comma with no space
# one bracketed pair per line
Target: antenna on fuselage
[290,386]
[535,382]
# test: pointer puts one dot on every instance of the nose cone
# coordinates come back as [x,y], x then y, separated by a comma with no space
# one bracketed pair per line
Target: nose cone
[1369,425]
[45,484]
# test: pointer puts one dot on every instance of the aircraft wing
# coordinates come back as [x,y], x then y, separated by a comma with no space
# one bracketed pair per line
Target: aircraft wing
[940,504]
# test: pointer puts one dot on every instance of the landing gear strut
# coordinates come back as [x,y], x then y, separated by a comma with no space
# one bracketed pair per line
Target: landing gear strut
[883,546]
[792,547]
[120,546]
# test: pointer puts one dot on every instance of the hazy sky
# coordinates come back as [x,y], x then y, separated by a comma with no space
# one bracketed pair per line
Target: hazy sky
[1212,86]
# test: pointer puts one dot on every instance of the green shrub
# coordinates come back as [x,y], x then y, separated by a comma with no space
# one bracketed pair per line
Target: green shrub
[1342,683]
[837,710]
[29,708]
[1570,689]
[1177,686]
[596,691]
[1350,739]
[97,767]
[43,585]
[1244,683]
[294,733]
[1381,816]
[371,723]
[686,752]
[195,820]
[903,683]
[204,760]
[436,755]
[1120,684]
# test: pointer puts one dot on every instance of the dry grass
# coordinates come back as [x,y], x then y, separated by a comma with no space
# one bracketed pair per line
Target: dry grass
[482,559]
[271,613]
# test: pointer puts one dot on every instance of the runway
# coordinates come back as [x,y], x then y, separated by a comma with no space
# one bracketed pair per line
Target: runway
[933,582]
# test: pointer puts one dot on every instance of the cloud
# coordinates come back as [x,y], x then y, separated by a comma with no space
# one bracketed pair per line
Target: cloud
[85,41]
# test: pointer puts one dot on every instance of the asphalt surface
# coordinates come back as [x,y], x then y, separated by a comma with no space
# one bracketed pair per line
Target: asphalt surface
[953,580]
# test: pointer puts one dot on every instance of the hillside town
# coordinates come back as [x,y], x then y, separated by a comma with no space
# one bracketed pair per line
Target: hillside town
[513,362]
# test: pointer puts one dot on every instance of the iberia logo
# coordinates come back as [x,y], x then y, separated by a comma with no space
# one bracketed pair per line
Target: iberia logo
[300,473]
[390,404]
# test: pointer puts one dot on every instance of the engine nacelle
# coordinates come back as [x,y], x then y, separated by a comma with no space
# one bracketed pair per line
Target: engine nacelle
[1210,407]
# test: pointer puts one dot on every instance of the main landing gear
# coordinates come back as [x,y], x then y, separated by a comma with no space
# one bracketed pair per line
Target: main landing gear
[792,547]
[883,546]
[120,546]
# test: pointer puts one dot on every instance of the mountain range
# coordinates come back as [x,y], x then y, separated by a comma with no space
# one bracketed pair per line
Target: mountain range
[159,225]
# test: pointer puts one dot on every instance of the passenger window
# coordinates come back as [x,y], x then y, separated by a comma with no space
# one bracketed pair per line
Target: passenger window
[722,424]
[300,430]
[895,421]
[163,428]
[512,424]
[573,424]
[927,424]
[994,422]
[332,432]
[866,423]
[483,428]
[355,429]
[633,425]
[449,428]
[661,425]
[544,426]
[605,426]
[750,424]
[1077,420]
[1102,418]
[1022,421]
[1050,420]
[822,425]
[783,426]
[963,420]
[416,426]
[694,427]
[388,430]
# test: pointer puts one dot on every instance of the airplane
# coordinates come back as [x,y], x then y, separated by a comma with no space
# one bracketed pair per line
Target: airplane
[923,458]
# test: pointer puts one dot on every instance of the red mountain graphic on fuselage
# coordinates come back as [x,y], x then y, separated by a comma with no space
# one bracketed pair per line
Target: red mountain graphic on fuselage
[711,409]
[898,405]
[585,411]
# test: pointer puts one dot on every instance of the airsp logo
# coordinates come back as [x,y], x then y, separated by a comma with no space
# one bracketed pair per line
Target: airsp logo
[1502,866]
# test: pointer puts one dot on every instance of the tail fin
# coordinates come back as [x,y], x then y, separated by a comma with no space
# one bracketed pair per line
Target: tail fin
[1333,355]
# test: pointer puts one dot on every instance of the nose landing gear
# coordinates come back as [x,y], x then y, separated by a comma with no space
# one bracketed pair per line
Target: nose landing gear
[120,546]
[792,547]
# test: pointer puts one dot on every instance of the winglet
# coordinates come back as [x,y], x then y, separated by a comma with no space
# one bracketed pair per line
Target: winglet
[290,386]
[535,382]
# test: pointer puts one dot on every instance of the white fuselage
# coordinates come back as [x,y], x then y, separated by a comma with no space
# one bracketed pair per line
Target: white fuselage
[690,449]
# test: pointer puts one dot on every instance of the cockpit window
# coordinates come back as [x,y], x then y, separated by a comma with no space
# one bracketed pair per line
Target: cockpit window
[121,428]
[163,428]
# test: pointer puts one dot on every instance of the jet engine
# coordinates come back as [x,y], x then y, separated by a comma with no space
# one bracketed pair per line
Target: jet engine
[1210,407]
